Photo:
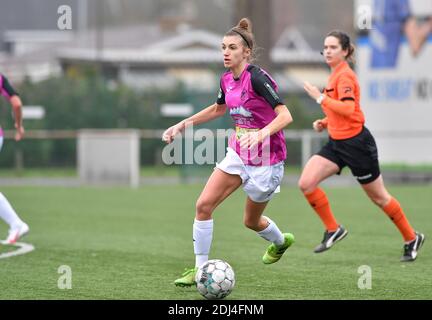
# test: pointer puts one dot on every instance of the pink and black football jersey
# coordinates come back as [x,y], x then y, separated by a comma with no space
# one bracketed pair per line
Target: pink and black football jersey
[6,89]
[251,100]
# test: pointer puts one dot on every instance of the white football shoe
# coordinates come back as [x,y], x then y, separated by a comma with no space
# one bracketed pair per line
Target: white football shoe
[16,233]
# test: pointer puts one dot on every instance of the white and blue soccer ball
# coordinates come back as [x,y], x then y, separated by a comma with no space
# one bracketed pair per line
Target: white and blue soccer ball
[215,279]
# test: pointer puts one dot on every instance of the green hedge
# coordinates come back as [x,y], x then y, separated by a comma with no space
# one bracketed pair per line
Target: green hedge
[86,100]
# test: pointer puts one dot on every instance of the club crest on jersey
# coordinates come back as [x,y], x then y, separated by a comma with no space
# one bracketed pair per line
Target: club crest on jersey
[243,94]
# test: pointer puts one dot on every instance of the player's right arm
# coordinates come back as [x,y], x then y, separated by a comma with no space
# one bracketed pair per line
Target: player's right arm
[214,111]
[16,103]
[210,113]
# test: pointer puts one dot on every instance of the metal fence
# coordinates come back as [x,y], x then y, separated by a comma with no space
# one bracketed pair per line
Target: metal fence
[301,144]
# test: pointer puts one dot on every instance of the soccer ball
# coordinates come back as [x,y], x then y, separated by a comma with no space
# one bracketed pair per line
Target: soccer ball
[215,279]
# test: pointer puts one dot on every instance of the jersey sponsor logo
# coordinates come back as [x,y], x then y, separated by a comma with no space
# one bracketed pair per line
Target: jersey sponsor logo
[241,131]
[347,89]
[271,90]
[240,110]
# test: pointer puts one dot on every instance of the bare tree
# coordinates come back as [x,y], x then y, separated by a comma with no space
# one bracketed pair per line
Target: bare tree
[259,12]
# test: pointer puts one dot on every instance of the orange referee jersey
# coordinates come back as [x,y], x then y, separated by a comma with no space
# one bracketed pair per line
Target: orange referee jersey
[343,87]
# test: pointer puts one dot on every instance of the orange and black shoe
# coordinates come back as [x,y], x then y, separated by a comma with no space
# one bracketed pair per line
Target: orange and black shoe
[330,238]
[411,249]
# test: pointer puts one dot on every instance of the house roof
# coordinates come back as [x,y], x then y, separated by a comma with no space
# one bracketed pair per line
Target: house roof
[144,45]
[189,47]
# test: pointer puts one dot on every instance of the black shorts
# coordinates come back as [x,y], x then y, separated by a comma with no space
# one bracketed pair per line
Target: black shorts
[358,153]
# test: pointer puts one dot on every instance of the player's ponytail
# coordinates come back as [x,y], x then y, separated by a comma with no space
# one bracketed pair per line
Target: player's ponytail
[350,56]
[244,30]
[346,44]
[245,24]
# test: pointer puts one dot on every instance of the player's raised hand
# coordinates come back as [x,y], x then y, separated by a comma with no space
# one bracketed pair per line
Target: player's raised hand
[311,90]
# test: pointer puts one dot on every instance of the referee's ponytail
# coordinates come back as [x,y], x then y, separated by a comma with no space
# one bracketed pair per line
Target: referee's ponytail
[346,44]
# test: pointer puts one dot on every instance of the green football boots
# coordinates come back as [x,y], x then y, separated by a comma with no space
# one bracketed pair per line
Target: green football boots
[272,255]
[275,252]
[187,279]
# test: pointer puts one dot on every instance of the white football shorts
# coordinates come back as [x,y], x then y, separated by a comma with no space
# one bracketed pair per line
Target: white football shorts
[259,182]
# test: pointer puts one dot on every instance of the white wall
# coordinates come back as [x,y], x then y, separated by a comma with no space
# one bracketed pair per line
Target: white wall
[109,156]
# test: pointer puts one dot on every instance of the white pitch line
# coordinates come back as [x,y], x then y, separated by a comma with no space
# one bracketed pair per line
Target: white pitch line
[23,248]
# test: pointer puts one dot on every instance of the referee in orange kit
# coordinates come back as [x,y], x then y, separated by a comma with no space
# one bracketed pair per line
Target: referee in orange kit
[350,144]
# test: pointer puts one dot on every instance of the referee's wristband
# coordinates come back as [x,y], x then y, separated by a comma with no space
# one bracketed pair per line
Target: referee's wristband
[320,99]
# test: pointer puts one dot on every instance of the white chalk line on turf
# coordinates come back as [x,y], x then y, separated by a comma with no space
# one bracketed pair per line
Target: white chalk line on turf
[23,248]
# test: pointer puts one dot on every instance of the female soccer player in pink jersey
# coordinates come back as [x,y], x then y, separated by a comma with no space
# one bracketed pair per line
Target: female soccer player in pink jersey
[256,152]
[17,228]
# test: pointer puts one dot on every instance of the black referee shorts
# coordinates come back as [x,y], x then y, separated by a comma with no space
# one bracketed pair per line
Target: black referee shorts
[358,153]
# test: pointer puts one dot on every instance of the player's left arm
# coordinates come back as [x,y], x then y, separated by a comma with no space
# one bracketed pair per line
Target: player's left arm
[16,104]
[263,86]
[283,118]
